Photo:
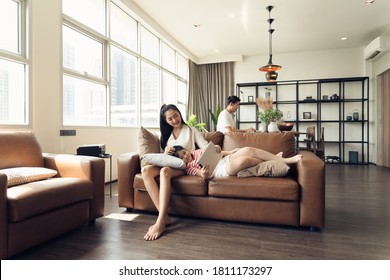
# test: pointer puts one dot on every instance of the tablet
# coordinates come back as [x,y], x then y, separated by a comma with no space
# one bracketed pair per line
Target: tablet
[210,156]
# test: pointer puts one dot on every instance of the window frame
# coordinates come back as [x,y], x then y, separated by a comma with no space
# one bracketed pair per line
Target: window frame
[108,44]
[21,57]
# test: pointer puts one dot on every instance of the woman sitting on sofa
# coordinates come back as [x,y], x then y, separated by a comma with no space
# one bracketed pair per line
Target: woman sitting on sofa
[232,162]
[174,131]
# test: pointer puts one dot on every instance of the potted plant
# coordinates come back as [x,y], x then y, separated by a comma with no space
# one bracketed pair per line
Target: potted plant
[269,115]
[214,117]
[194,123]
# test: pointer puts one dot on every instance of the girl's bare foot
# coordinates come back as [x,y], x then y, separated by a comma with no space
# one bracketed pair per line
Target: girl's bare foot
[293,159]
[280,154]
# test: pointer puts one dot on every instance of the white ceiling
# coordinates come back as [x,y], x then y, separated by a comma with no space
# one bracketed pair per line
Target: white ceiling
[240,27]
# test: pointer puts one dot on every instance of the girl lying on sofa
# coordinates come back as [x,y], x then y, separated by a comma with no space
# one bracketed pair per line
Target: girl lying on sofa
[232,162]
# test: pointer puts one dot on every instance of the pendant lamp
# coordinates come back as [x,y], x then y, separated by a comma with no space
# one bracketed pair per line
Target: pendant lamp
[270,68]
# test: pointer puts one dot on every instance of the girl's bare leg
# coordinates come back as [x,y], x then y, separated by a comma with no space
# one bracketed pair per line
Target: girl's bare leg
[162,202]
[247,157]
[262,155]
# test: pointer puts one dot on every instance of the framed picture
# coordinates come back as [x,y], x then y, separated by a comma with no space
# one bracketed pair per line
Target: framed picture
[306,115]
[250,98]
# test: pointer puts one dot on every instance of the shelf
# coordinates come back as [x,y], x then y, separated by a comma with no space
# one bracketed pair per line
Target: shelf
[289,96]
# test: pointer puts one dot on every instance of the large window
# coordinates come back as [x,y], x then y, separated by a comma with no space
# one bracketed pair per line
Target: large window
[119,73]
[14,108]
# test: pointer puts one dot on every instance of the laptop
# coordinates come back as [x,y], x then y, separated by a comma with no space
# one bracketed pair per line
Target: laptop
[210,156]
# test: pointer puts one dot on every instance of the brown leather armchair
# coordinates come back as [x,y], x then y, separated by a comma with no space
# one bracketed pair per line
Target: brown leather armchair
[34,212]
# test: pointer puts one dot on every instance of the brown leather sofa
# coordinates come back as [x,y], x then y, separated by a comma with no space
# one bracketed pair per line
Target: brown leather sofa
[35,212]
[297,199]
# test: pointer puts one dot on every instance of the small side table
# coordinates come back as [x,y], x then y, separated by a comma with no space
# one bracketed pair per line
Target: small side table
[109,156]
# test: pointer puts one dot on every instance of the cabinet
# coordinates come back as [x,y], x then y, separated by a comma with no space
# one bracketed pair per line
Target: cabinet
[328,103]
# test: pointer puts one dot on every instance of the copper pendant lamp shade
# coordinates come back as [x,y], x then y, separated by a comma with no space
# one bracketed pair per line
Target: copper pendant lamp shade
[270,68]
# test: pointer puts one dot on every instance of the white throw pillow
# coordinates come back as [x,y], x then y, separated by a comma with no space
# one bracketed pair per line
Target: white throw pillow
[164,160]
[22,175]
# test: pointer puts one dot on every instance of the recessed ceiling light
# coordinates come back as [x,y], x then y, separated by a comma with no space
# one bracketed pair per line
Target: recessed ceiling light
[197,24]
[369,1]
[217,51]
[343,38]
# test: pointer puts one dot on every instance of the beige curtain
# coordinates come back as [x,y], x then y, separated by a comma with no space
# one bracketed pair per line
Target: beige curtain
[209,85]
[385,131]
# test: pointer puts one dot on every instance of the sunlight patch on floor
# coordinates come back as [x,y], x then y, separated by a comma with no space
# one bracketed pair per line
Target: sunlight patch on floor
[122,216]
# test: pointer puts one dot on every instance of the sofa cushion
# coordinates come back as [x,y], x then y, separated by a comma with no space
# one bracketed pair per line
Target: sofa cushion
[285,188]
[148,142]
[22,175]
[34,198]
[160,159]
[182,185]
[271,142]
[270,168]
[216,137]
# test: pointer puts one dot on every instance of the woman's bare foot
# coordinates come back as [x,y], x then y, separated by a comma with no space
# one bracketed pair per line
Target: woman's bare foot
[293,159]
[155,231]
[168,220]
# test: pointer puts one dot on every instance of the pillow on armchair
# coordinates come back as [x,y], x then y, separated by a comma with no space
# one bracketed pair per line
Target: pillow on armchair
[22,175]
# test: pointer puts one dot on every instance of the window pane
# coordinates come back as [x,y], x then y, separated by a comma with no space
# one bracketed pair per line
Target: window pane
[92,13]
[182,67]
[169,88]
[84,102]
[81,53]
[13,99]
[123,28]
[149,45]
[168,58]
[182,92]
[182,109]
[123,88]
[149,95]
[9,22]
[182,97]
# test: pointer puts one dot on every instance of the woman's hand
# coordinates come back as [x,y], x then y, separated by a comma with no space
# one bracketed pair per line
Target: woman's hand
[169,150]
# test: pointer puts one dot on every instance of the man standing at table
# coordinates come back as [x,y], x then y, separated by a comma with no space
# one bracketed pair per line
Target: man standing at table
[225,121]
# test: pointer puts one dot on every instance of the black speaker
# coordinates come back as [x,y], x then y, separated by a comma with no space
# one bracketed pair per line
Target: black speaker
[92,150]
[353,157]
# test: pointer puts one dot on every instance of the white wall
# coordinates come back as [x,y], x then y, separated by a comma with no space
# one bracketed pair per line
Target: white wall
[309,65]
[375,69]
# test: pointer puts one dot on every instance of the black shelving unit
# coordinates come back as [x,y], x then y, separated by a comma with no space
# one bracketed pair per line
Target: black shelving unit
[326,103]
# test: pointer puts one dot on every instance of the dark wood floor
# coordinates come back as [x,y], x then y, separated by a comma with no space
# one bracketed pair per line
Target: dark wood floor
[357,227]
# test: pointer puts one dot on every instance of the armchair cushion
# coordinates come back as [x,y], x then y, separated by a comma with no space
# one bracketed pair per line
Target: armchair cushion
[22,175]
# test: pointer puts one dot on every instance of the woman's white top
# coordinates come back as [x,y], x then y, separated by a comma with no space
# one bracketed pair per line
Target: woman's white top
[187,139]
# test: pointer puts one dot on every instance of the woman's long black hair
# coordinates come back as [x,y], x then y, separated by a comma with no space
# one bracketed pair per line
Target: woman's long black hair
[165,128]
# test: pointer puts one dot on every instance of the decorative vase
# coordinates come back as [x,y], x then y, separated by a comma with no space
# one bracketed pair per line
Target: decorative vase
[273,127]
[355,115]
[263,127]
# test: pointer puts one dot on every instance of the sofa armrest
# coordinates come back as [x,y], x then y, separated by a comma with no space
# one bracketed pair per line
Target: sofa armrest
[3,216]
[83,167]
[311,178]
[128,167]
